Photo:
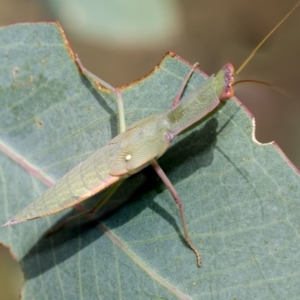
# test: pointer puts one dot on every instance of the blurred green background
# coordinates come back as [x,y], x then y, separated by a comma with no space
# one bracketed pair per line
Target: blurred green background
[121,41]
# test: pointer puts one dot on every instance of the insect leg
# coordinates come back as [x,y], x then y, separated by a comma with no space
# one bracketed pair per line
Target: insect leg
[110,191]
[178,201]
[120,103]
[184,83]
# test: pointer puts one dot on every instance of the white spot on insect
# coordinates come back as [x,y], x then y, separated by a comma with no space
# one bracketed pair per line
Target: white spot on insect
[128,157]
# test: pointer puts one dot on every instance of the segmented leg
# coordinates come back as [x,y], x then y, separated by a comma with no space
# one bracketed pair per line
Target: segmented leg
[178,201]
[184,83]
[168,183]
[121,114]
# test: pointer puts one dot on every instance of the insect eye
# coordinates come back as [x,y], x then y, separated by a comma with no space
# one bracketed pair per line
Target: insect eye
[227,93]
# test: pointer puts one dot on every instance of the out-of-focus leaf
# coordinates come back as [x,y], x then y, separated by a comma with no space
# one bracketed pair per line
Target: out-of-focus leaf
[11,276]
[117,23]
[241,199]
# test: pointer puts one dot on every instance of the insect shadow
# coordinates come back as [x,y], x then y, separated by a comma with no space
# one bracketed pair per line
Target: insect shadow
[188,155]
[104,104]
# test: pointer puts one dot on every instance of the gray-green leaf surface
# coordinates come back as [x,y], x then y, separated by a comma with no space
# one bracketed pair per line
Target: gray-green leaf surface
[241,199]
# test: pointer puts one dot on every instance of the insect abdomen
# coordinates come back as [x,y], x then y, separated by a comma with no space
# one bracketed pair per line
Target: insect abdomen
[86,179]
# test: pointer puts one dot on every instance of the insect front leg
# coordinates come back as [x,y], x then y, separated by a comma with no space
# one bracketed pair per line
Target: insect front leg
[183,85]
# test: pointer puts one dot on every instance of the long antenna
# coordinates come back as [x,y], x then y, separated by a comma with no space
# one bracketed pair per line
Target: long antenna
[273,87]
[262,42]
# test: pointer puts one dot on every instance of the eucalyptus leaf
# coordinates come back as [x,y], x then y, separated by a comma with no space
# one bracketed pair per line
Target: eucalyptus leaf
[241,198]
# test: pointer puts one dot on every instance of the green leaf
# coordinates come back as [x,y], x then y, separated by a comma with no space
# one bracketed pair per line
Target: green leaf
[241,199]
[132,24]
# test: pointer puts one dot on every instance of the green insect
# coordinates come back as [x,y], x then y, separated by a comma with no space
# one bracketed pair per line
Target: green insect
[135,148]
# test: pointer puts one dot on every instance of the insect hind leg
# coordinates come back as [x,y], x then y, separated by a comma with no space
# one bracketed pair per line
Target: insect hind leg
[110,191]
[120,102]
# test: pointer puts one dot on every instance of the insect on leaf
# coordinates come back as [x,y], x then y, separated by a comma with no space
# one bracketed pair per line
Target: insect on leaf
[241,199]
